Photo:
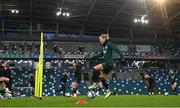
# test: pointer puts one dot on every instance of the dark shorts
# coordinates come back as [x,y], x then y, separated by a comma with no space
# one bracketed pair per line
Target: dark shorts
[107,68]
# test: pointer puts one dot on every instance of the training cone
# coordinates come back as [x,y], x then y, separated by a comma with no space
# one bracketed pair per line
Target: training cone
[81,102]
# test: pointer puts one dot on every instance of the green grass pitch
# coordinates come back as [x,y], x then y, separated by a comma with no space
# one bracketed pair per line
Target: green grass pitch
[113,101]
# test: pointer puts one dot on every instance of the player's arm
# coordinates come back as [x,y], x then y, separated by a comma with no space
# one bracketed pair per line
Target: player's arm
[98,55]
[116,49]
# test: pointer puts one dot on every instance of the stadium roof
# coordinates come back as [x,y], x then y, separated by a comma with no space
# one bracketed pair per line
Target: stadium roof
[100,16]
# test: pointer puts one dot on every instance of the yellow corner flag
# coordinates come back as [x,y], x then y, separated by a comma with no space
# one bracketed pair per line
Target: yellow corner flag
[39,72]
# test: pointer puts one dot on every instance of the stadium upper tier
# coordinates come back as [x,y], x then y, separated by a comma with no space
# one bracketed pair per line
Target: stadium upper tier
[28,49]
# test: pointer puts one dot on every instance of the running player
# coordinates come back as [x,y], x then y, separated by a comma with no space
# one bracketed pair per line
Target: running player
[173,74]
[101,70]
[77,78]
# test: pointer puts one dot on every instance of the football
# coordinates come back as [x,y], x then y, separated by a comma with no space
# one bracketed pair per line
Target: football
[166,93]
[91,94]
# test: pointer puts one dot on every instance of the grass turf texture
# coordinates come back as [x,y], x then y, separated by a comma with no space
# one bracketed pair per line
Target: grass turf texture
[113,101]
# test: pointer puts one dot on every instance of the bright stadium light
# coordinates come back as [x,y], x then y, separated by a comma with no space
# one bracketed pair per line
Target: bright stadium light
[14,11]
[146,21]
[61,12]
[67,14]
[17,11]
[64,14]
[160,1]
[139,20]
[58,13]
[135,20]
[142,19]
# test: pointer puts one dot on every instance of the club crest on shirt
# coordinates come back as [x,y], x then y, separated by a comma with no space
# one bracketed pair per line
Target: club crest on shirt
[105,49]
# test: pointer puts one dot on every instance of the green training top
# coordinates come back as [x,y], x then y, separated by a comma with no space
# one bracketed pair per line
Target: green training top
[106,53]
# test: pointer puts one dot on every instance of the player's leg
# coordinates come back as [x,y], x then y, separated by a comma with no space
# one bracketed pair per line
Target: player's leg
[74,88]
[99,88]
[74,84]
[103,80]
[4,79]
[106,71]
[7,90]
[78,77]
[151,88]
[174,85]
[78,82]
[9,86]
[105,84]
[95,78]
[63,88]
